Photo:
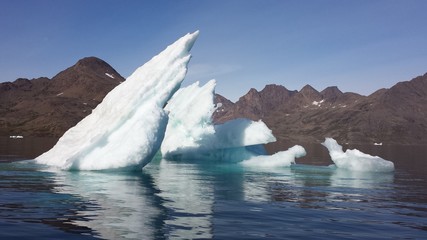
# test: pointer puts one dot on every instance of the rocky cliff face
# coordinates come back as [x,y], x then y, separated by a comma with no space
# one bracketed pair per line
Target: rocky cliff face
[254,105]
[395,116]
[49,107]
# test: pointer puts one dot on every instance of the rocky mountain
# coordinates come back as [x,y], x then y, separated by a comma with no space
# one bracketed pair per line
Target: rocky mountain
[49,107]
[392,116]
[254,104]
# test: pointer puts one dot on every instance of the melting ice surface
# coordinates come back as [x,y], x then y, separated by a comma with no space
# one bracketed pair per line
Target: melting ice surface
[356,160]
[127,128]
[279,159]
[191,134]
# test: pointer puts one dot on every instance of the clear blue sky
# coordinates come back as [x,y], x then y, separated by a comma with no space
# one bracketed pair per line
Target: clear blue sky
[357,45]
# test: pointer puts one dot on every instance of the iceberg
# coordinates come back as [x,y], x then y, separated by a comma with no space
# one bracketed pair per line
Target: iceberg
[149,111]
[127,128]
[190,133]
[355,160]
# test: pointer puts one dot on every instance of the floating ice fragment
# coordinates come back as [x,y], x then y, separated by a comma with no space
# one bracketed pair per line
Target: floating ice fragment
[356,160]
[279,159]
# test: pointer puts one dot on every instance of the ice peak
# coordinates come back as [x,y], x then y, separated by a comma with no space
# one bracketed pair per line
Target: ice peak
[192,37]
[183,45]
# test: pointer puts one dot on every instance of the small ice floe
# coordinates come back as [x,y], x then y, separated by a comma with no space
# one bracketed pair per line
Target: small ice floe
[356,160]
[378,144]
[16,136]
[279,159]
[109,75]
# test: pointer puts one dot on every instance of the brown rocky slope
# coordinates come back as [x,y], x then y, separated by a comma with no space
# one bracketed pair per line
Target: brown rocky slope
[392,116]
[48,107]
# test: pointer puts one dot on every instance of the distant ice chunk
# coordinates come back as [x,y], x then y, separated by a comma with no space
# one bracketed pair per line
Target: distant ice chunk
[356,160]
[127,128]
[279,159]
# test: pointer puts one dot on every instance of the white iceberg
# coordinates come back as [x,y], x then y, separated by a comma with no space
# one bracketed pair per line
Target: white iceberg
[127,128]
[190,133]
[356,160]
[279,159]
[190,111]
[130,125]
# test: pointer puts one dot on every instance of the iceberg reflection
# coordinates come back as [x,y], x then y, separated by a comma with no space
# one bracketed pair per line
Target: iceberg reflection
[355,179]
[121,206]
[312,186]
[188,198]
[167,200]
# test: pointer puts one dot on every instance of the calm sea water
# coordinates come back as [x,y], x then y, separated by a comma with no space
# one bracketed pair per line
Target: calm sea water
[192,200]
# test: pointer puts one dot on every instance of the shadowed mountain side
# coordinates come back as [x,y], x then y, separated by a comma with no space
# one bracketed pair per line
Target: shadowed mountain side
[393,116]
[49,107]
[254,105]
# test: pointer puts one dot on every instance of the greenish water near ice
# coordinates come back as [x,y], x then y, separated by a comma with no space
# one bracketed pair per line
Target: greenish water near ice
[193,200]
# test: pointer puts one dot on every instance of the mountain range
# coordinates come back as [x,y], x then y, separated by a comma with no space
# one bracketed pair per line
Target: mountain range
[392,116]
[48,107]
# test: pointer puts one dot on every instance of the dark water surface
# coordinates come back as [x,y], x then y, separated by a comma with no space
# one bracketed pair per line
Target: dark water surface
[190,200]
